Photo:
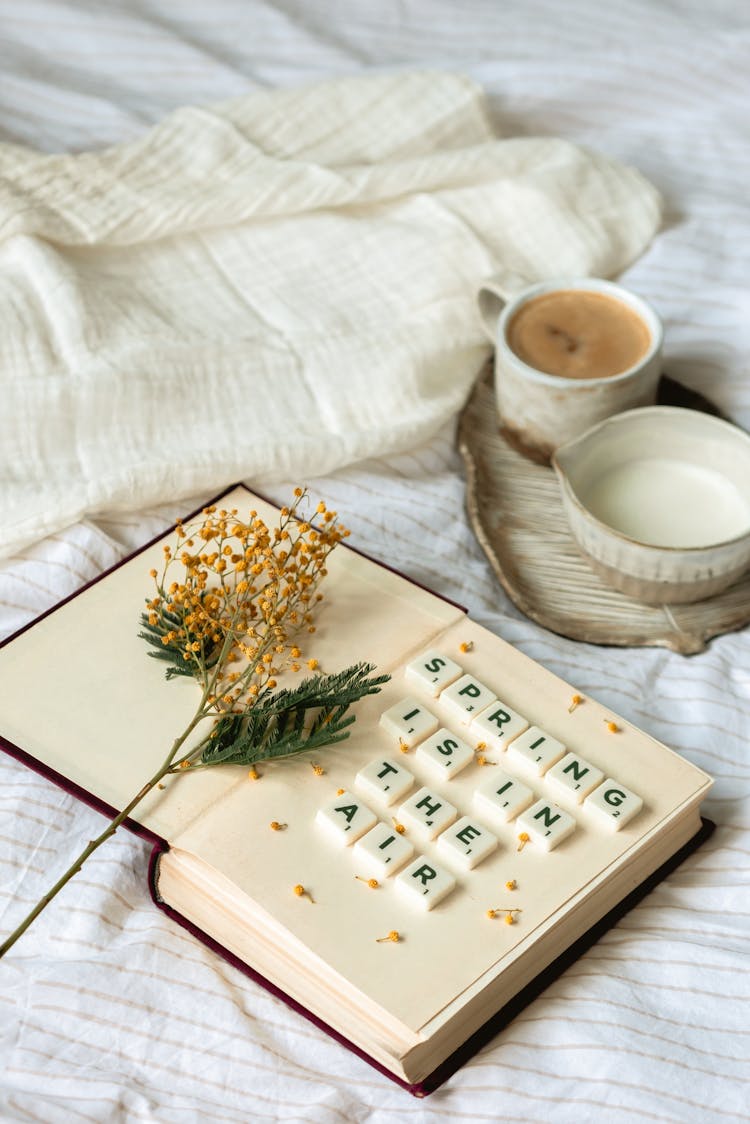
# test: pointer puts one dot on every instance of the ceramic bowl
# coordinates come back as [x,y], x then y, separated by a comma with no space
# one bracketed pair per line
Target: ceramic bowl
[658,499]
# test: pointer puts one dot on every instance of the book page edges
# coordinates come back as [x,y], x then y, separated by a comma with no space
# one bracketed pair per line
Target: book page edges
[203,895]
[410,1056]
[623,875]
[495,1005]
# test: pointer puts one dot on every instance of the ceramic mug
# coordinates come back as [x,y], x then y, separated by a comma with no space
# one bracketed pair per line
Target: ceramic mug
[540,411]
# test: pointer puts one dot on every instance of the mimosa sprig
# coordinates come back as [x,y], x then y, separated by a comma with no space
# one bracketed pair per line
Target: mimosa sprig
[230,602]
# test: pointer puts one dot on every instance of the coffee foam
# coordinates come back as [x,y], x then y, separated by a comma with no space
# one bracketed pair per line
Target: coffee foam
[578,334]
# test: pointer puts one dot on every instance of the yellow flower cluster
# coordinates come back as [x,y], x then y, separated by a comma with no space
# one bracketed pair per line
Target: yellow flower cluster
[232,593]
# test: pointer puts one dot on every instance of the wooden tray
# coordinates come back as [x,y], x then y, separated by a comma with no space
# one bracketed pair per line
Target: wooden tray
[516,512]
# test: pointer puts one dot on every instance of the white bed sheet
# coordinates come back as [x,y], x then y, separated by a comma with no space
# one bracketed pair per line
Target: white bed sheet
[109,1012]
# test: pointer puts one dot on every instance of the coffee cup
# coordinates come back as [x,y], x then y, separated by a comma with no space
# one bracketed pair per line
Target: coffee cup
[568,354]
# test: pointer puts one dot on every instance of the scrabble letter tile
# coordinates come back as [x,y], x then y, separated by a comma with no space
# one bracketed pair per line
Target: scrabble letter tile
[409,722]
[547,824]
[432,671]
[346,818]
[613,804]
[574,776]
[466,843]
[382,851]
[445,754]
[385,780]
[466,697]
[425,883]
[535,751]
[498,725]
[426,813]
[501,797]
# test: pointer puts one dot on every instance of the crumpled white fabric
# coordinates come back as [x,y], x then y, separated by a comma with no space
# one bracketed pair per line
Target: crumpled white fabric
[271,288]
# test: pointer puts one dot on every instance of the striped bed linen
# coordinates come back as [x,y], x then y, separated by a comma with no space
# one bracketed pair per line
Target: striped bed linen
[111,1013]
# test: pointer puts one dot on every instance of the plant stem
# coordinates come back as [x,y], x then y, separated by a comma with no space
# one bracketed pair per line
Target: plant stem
[110,830]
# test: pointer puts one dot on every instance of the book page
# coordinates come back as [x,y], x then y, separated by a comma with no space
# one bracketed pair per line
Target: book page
[442,952]
[107,717]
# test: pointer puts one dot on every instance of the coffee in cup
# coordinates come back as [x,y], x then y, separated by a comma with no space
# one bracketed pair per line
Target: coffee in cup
[577,334]
[567,355]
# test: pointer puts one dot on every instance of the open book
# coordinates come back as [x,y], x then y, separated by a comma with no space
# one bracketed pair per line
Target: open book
[477,829]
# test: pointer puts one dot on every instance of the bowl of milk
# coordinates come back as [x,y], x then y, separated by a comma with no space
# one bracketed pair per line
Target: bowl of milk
[658,499]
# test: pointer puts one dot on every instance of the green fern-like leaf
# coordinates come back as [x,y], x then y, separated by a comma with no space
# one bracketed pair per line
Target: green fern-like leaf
[292,720]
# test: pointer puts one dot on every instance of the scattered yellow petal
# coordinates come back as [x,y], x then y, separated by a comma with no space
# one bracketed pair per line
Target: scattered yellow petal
[612,726]
[393,936]
[276,826]
[523,839]
[574,702]
[466,645]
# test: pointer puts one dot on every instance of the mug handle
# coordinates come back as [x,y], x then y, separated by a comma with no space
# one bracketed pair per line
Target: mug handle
[494,294]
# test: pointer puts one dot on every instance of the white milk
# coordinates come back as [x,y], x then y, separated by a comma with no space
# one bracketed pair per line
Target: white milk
[666,502]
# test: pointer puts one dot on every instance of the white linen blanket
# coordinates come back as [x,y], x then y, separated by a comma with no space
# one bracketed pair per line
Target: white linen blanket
[271,288]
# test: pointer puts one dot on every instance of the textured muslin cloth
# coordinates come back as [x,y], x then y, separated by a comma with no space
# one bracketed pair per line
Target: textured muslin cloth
[271,287]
